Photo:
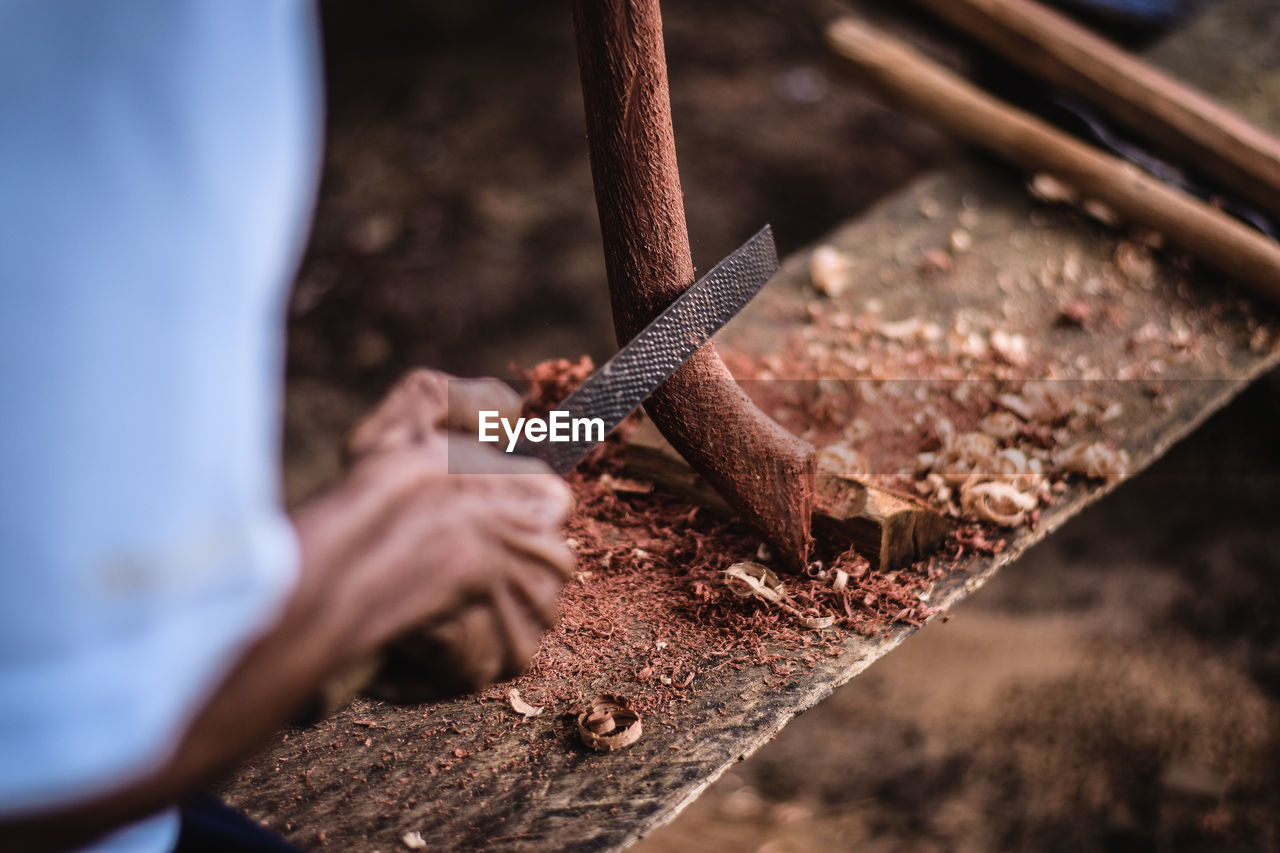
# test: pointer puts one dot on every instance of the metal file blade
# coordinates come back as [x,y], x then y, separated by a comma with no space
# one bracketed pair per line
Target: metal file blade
[638,369]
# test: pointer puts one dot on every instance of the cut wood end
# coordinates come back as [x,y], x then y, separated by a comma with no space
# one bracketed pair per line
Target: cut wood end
[887,528]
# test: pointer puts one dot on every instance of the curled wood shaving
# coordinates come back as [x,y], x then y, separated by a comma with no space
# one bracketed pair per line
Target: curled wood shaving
[1004,426]
[974,446]
[841,579]
[843,460]
[1053,191]
[1010,347]
[1012,462]
[1101,211]
[414,841]
[624,486]
[1048,188]
[994,484]
[817,623]
[1095,460]
[962,458]
[912,328]
[1038,401]
[520,706]
[749,579]
[609,723]
[752,580]
[1134,261]
[829,269]
[998,502]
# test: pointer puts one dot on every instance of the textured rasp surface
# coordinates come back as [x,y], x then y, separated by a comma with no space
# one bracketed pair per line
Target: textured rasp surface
[638,369]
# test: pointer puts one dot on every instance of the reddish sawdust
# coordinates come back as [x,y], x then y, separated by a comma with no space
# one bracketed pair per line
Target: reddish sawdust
[649,612]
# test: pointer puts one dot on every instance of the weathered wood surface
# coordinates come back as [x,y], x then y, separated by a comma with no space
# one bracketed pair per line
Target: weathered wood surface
[387,770]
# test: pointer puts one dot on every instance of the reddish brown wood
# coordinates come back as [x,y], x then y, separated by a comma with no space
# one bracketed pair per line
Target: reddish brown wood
[765,472]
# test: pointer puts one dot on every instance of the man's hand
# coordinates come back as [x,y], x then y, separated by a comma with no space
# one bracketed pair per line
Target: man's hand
[461,569]
[465,568]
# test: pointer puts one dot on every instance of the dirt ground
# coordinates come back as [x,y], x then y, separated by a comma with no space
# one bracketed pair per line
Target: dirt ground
[1118,689]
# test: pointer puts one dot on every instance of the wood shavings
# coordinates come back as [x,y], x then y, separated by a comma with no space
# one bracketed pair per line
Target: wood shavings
[997,502]
[609,723]
[1096,460]
[1037,401]
[1075,313]
[816,623]
[960,241]
[1050,190]
[1004,426]
[748,579]
[842,460]
[625,486]
[413,841]
[1014,465]
[1047,188]
[931,208]
[935,261]
[1134,261]
[901,330]
[520,706]
[753,580]
[962,457]
[829,270]
[1010,347]
[1102,212]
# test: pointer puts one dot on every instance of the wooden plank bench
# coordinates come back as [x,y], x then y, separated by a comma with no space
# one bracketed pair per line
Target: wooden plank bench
[967,245]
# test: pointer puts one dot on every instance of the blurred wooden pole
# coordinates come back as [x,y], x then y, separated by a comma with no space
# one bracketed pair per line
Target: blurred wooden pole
[963,110]
[766,473]
[1189,126]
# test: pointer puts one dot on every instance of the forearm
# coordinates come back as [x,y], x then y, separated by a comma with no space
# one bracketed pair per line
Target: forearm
[398,544]
[275,676]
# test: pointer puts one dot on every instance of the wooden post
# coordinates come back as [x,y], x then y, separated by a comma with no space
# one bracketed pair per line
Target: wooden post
[765,472]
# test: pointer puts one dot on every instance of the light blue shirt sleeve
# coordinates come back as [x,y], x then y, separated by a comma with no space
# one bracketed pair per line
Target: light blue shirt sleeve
[157,168]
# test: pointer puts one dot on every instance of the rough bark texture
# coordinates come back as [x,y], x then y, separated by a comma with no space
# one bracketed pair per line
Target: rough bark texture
[765,472]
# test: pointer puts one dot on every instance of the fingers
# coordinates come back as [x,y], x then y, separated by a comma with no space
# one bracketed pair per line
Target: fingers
[424,402]
[469,397]
[412,410]
[539,593]
[534,503]
[477,651]
[521,630]
[475,561]
[466,456]
[546,550]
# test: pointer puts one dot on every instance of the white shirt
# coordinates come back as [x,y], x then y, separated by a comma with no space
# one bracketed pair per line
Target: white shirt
[157,167]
